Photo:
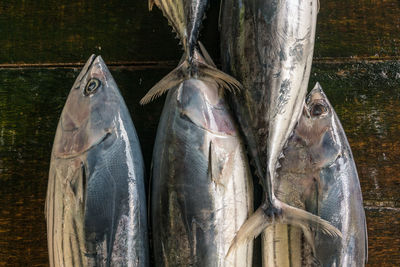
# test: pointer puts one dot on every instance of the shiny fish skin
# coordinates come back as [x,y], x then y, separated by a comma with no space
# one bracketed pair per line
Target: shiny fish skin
[201,184]
[96,205]
[318,174]
[268,46]
[185,17]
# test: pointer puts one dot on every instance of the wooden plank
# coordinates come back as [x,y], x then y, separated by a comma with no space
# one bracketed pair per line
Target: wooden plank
[365,96]
[71,30]
[366,99]
[51,31]
[358,28]
[383,237]
[31,101]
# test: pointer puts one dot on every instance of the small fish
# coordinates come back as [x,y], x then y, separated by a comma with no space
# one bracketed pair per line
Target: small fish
[268,46]
[201,184]
[96,205]
[318,174]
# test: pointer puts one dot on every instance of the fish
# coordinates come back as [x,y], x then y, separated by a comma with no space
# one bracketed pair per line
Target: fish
[201,185]
[318,174]
[268,46]
[185,17]
[96,204]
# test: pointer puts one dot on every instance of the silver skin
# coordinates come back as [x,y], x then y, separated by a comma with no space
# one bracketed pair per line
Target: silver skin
[318,174]
[268,46]
[96,205]
[201,184]
[185,17]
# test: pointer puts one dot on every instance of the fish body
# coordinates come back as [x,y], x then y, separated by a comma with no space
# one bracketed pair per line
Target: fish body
[318,174]
[96,205]
[201,183]
[268,46]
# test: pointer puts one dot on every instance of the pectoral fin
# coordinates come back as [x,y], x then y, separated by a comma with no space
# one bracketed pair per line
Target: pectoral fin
[220,165]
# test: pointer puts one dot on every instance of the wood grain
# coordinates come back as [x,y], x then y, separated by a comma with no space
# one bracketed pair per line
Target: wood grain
[32,99]
[358,28]
[52,31]
[44,43]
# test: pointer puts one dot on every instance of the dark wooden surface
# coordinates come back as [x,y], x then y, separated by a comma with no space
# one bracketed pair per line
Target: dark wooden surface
[42,42]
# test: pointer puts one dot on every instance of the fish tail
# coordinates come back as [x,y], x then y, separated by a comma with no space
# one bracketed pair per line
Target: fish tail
[207,72]
[201,67]
[151,4]
[251,228]
[172,79]
[267,215]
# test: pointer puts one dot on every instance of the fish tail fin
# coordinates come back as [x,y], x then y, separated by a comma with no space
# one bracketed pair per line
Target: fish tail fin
[267,215]
[305,219]
[151,4]
[201,67]
[172,79]
[206,55]
[207,72]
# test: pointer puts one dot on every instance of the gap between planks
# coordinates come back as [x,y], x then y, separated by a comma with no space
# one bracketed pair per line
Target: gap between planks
[168,64]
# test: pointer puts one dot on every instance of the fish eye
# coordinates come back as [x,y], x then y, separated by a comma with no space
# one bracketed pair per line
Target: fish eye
[318,110]
[92,85]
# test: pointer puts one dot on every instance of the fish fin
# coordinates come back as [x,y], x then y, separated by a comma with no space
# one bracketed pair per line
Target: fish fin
[308,235]
[200,70]
[151,4]
[206,55]
[171,80]
[209,73]
[249,230]
[305,219]
[220,165]
[266,216]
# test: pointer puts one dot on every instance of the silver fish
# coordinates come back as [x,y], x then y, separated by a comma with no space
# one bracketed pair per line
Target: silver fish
[96,205]
[268,46]
[201,184]
[318,174]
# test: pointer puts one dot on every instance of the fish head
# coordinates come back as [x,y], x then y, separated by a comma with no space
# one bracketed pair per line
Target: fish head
[316,116]
[315,128]
[202,103]
[88,116]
